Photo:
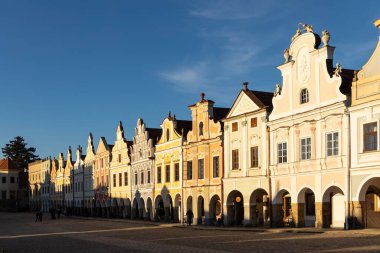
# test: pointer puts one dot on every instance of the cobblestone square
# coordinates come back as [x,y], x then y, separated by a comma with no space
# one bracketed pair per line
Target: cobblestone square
[20,233]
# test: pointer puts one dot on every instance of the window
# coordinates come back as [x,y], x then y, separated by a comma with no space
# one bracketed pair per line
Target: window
[189,170]
[370,136]
[120,179]
[332,144]
[254,157]
[119,158]
[201,164]
[159,174]
[167,173]
[148,177]
[234,127]
[305,148]
[176,172]
[167,135]
[102,163]
[215,166]
[3,194]
[304,96]
[142,177]
[114,180]
[136,182]
[3,180]
[254,122]
[310,204]
[200,128]
[125,178]
[282,155]
[235,159]
[12,180]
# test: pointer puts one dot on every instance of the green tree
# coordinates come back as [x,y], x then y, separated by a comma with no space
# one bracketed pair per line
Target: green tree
[19,153]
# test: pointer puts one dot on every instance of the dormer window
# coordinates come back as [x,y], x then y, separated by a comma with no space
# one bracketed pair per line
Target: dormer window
[304,96]
[167,134]
[201,128]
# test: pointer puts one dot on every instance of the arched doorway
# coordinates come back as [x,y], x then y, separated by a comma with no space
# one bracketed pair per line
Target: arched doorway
[259,210]
[200,210]
[128,208]
[369,201]
[333,208]
[160,210]
[215,208]
[169,214]
[177,209]
[142,211]
[235,208]
[149,208]
[305,208]
[135,209]
[282,209]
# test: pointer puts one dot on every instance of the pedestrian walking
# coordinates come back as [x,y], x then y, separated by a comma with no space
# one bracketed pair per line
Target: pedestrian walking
[40,216]
[189,216]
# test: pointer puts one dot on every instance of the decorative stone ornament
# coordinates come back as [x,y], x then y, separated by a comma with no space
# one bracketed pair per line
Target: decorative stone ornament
[338,70]
[298,33]
[325,37]
[307,28]
[277,91]
[286,55]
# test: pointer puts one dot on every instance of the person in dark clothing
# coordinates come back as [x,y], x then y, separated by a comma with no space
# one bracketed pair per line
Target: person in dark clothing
[189,216]
[59,213]
[40,216]
[37,216]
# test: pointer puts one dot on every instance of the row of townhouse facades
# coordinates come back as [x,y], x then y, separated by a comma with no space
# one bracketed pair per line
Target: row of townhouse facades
[305,155]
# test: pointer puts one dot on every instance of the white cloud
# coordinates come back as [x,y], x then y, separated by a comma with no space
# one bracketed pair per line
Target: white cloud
[228,10]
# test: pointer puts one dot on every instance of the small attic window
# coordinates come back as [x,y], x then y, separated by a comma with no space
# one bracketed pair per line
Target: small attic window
[167,135]
[201,128]
[304,96]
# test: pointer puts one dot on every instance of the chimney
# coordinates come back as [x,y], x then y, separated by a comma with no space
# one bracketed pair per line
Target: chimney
[245,84]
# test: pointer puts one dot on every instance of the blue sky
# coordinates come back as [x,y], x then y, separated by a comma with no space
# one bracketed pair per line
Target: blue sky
[68,68]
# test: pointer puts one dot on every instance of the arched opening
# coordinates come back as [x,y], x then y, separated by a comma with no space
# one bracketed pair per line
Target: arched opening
[215,215]
[177,208]
[128,213]
[135,209]
[189,206]
[282,209]
[259,210]
[333,208]
[369,204]
[235,208]
[169,214]
[149,208]
[201,210]
[305,208]
[160,209]
[142,211]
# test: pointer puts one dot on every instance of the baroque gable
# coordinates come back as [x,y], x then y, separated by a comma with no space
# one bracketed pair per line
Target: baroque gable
[309,79]
[120,147]
[242,105]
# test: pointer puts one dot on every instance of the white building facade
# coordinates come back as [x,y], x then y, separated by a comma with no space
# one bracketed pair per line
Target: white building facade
[309,136]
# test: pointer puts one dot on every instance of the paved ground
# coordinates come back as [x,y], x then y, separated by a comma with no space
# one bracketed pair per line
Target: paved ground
[19,233]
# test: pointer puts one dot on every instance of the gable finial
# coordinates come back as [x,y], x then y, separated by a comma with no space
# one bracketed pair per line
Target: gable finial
[203,96]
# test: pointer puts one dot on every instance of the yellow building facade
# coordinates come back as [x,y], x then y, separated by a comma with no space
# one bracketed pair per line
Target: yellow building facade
[168,170]
[203,162]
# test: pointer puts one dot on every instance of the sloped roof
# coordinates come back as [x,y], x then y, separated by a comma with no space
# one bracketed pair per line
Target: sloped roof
[186,125]
[154,134]
[261,98]
[6,164]
[220,113]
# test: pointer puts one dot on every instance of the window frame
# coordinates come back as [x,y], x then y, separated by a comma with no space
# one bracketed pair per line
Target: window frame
[235,159]
[159,172]
[304,96]
[307,151]
[167,173]
[235,126]
[283,157]
[189,171]
[334,147]
[254,151]
[201,169]
[215,166]
[176,172]
[253,122]
[371,134]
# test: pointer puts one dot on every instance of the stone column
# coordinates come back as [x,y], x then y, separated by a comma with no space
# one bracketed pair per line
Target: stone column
[247,218]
